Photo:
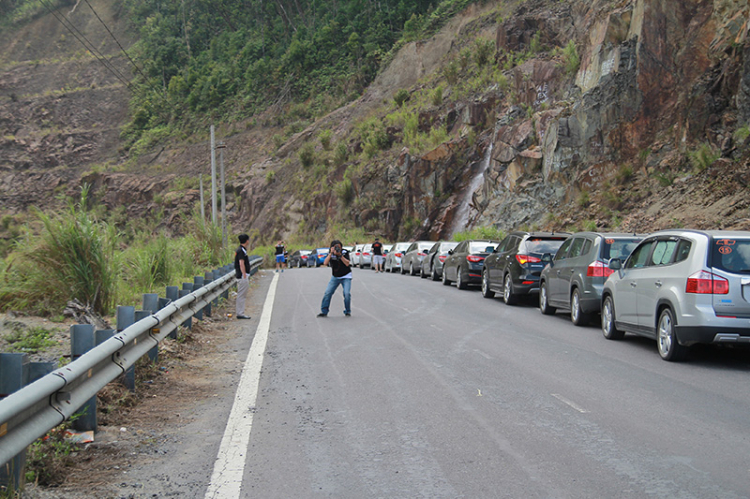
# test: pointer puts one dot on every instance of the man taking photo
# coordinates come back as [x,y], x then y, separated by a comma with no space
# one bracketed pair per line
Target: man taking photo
[338,260]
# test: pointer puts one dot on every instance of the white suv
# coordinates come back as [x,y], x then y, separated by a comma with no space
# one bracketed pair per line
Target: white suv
[681,287]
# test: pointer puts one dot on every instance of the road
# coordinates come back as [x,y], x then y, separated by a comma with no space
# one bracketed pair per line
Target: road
[428,391]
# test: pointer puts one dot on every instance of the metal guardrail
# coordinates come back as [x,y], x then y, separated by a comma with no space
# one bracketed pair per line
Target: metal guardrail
[32,411]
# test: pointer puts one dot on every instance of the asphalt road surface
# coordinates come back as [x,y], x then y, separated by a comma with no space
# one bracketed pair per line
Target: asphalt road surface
[429,391]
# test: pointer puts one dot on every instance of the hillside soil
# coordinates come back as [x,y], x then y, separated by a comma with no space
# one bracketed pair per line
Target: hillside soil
[152,443]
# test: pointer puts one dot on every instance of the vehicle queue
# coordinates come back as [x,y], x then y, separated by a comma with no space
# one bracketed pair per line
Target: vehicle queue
[679,287]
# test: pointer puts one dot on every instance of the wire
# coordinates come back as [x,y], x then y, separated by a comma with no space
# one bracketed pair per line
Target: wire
[89,46]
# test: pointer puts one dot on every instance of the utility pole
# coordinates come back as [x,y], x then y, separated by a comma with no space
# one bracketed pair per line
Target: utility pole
[213,177]
[223,146]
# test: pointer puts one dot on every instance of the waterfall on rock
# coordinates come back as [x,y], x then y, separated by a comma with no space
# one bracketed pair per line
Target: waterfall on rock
[462,216]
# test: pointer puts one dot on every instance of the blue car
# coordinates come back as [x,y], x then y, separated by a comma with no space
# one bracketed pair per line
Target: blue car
[317,257]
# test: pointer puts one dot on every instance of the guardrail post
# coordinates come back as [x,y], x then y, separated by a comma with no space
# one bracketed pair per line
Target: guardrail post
[39,370]
[125,319]
[223,271]
[208,277]
[187,288]
[12,379]
[198,283]
[153,353]
[173,294]
[82,340]
[151,305]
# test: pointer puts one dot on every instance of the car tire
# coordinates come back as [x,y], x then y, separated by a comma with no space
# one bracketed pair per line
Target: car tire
[666,338]
[422,273]
[609,329]
[460,283]
[578,316]
[403,269]
[446,282]
[486,291]
[509,297]
[434,274]
[412,271]
[544,306]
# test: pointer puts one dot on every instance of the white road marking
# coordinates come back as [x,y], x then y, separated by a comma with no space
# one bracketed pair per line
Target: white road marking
[569,403]
[229,468]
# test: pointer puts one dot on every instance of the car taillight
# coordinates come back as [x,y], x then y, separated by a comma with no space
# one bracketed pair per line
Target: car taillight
[524,259]
[703,282]
[442,258]
[398,255]
[475,258]
[304,257]
[598,269]
[366,254]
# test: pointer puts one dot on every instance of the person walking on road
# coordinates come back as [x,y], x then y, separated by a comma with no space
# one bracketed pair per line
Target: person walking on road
[241,269]
[280,256]
[377,255]
[338,260]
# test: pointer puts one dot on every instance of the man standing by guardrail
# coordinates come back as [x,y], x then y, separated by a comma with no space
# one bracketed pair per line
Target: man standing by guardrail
[241,269]
[338,259]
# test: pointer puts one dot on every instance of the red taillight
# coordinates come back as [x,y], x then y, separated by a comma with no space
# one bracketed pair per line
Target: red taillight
[366,254]
[598,269]
[706,283]
[398,255]
[524,259]
[475,258]
[423,254]
[442,258]
[304,257]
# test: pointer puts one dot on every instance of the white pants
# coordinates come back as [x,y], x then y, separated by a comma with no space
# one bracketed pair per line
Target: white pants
[242,286]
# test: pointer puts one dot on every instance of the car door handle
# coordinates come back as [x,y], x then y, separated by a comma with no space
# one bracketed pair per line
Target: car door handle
[632,285]
[558,272]
[658,284]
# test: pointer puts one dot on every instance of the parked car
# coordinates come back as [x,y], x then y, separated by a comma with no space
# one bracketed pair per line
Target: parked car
[393,258]
[365,257]
[465,262]
[317,257]
[515,266]
[355,254]
[574,278]
[299,258]
[681,287]
[411,262]
[432,263]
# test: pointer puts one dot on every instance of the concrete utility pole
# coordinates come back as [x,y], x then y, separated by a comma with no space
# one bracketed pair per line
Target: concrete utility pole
[223,146]
[213,177]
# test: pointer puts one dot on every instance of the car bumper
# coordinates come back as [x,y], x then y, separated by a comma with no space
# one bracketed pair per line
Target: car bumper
[690,335]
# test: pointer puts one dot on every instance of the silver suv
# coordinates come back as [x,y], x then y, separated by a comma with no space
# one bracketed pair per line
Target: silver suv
[681,287]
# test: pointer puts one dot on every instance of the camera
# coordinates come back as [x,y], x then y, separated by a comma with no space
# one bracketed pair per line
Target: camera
[337,249]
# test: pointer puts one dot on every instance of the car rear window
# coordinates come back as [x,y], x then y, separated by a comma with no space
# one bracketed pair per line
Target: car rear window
[542,246]
[732,255]
[482,247]
[619,248]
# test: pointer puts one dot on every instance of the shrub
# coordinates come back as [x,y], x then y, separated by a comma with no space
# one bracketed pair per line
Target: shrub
[325,139]
[340,155]
[486,232]
[307,154]
[437,96]
[400,97]
[483,51]
[450,72]
[703,157]
[571,59]
[742,133]
[625,173]
[345,191]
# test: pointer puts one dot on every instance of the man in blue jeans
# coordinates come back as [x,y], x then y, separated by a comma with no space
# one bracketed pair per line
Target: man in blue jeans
[338,260]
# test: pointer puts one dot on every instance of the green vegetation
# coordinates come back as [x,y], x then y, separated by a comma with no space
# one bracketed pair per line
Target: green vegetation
[486,232]
[571,59]
[30,340]
[702,157]
[400,97]
[742,133]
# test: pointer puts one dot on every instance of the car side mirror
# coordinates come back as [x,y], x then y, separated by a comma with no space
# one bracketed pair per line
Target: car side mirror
[615,264]
[547,258]
[450,252]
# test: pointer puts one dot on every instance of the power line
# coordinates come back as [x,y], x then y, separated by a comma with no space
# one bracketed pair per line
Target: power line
[89,46]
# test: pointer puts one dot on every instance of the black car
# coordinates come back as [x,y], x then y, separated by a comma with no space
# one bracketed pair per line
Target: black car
[464,263]
[574,278]
[432,264]
[299,258]
[515,266]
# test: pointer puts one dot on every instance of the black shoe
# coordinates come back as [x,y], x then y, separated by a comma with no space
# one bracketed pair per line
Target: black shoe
[242,316]
[348,315]
[322,315]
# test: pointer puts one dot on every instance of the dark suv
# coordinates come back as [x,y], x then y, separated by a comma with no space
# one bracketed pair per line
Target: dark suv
[515,266]
[574,278]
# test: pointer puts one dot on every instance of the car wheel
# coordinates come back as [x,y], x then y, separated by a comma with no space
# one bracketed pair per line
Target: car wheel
[460,284]
[486,291]
[435,276]
[422,273]
[609,329]
[577,315]
[666,340]
[403,268]
[412,270]
[509,297]
[544,306]
[446,282]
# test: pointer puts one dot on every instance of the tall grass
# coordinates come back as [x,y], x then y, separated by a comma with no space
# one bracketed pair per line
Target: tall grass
[490,232]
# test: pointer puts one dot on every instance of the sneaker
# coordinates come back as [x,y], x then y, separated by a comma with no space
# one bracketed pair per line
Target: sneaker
[348,314]
[322,315]
[240,316]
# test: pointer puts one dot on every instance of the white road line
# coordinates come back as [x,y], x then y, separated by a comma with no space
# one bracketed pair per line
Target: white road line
[569,403]
[229,468]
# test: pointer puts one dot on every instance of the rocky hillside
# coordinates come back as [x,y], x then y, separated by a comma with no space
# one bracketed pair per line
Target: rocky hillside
[627,114]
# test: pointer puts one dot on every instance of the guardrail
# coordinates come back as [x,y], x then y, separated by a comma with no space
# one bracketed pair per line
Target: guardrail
[32,411]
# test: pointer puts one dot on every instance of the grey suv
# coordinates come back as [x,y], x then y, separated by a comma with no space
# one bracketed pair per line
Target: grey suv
[681,287]
[574,278]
